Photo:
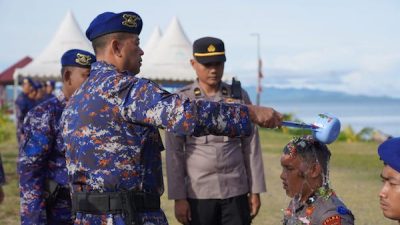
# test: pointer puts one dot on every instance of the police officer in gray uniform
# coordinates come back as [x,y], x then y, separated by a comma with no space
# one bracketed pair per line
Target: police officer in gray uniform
[214,179]
[305,179]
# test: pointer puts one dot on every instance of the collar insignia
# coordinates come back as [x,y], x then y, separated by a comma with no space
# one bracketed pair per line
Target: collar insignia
[224,91]
[197,92]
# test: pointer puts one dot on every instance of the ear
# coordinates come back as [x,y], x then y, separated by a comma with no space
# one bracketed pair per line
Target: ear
[315,170]
[193,63]
[116,47]
[67,76]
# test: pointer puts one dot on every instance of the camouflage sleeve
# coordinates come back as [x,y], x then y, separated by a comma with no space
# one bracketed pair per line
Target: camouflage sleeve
[147,103]
[333,217]
[32,166]
[2,174]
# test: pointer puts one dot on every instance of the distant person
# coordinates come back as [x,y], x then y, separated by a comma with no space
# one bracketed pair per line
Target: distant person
[305,178]
[214,179]
[41,92]
[110,128]
[45,194]
[389,152]
[50,86]
[2,180]
[24,102]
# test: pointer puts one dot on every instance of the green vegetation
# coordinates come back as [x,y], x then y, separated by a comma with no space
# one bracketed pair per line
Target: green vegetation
[355,170]
[5,125]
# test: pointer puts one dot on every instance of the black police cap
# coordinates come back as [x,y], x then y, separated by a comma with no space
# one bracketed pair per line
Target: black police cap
[209,50]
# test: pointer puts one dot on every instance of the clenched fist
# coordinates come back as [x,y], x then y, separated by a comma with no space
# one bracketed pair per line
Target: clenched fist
[265,116]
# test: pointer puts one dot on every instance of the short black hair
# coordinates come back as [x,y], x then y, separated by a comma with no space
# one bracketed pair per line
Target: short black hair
[99,43]
[309,149]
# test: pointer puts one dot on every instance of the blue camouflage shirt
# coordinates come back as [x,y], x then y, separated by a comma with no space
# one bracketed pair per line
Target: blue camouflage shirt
[22,106]
[110,128]
[42,157]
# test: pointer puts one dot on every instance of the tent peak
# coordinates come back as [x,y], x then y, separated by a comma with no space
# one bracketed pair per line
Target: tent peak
[47,64]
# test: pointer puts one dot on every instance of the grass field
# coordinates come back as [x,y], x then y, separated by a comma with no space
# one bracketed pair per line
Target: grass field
[355,170]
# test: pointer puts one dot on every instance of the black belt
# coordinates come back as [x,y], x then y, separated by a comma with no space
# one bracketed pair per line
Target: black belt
[114,202]
[64,193]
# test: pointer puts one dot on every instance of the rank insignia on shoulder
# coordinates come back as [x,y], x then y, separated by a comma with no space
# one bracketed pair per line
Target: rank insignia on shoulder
[197,92]
[333,220]
[224,91]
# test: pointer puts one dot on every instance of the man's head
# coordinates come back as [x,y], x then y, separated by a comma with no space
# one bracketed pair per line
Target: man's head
[304,166]
[27,85]
[115,40]
[208,60]
[33,90]
[75,69]
[40,90]
[389,152]
[50,85]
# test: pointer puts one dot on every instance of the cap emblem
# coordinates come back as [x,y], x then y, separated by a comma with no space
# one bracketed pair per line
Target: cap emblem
[82,59]
[211,48]
[129,20]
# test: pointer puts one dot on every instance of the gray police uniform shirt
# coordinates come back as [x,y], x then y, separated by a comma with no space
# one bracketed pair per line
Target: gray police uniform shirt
[319,210]
[213,167]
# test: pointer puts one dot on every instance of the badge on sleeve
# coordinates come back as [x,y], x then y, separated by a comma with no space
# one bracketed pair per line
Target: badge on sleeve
[333,220]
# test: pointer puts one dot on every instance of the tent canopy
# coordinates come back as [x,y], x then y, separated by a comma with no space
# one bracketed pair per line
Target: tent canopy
[6,77]
[166,58]
[47,65]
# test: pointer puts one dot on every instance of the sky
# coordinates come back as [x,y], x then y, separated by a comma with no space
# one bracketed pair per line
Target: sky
[351,46]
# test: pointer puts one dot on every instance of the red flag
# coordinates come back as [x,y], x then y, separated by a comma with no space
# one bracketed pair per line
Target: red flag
[260,73]
[260,76]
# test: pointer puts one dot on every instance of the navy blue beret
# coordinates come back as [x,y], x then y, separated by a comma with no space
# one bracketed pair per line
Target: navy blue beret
[389,152]
[36,85]
[28,80]
[78,58]
[109,22]
[51,83]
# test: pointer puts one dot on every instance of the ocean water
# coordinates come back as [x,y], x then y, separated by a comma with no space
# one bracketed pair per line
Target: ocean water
[382,115]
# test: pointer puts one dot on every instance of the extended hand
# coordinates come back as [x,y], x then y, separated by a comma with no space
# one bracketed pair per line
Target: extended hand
[182,211]
[265,116]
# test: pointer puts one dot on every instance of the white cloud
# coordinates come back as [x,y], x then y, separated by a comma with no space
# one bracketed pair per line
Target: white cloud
[350,70]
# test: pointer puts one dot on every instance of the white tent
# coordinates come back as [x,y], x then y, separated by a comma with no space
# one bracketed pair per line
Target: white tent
[167,60]
[47,64]
[152,43]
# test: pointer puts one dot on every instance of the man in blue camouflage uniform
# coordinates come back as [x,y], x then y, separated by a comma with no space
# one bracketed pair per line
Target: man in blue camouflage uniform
[24,102]
[110,128]
[50,86]
[389,195]
[2,180]
[45,195]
